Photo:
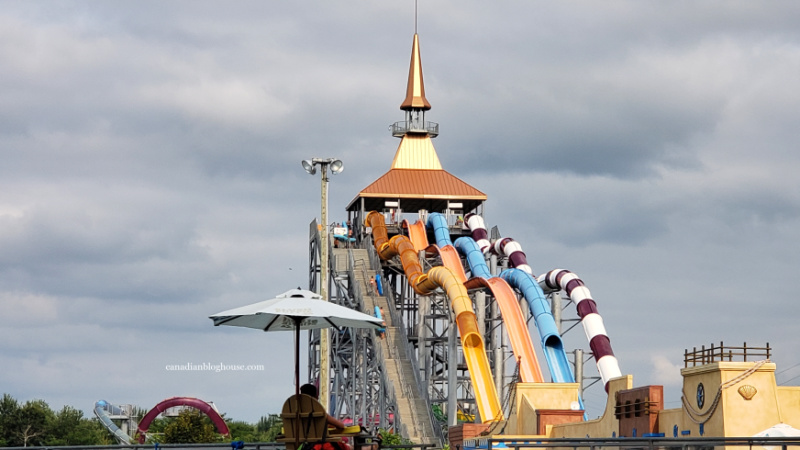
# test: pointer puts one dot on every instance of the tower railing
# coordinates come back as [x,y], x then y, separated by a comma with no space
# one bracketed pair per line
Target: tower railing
[401,128]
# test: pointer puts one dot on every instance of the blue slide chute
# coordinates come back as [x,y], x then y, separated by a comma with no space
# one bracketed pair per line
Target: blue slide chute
[477,264]
[103,410]
[441,232]
[548,331]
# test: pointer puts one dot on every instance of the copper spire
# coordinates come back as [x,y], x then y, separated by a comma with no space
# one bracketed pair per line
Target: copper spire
[415,92]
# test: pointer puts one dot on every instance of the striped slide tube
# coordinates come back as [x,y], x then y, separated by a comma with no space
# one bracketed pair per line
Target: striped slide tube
[476,226]
[607,363]
[512,249]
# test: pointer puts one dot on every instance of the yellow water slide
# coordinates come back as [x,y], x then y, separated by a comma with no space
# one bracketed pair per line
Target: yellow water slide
[441,277]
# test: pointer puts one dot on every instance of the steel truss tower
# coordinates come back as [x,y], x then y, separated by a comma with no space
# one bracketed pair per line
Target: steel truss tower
[357,387]
[363,384]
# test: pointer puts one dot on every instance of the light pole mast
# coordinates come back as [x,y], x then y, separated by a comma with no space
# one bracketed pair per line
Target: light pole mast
[324,342]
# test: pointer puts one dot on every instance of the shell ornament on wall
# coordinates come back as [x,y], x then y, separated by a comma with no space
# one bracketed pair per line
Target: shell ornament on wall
[747,391]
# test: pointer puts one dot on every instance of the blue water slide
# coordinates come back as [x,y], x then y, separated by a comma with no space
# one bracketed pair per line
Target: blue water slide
[102,409]
[475,259]
[551,341]
[552,345]
[438,223]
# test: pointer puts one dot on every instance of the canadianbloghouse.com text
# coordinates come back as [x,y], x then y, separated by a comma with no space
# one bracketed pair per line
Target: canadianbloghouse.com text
[213,367]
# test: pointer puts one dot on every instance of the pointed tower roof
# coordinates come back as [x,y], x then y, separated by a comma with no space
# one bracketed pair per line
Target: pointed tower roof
[415,92]
[416,179]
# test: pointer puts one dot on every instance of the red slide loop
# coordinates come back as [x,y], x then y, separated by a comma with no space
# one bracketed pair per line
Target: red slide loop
[195,403]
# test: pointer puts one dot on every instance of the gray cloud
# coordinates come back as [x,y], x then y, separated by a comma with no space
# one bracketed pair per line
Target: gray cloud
[150,172]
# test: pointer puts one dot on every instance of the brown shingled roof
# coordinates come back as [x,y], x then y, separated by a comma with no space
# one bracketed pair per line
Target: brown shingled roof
[419,189]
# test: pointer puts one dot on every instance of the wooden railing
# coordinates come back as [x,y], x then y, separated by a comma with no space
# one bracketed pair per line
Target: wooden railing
[724,353]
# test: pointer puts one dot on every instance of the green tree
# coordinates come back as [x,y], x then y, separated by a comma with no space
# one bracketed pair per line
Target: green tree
[23,425]
[389,438]
[9,415]
[242,431]
[64,423]
[269,427]
[34,418]
[155,432]
[35,424]
[190,427]
[69,427]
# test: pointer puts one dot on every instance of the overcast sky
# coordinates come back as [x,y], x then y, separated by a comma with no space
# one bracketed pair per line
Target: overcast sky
[150,173]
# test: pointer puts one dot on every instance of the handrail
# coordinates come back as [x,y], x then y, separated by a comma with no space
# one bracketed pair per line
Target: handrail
[423,393]
[400,128]
[403,338]
[357,291]
[408,390]
[724,353]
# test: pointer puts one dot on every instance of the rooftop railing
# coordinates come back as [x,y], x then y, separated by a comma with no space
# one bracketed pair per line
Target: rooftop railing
[401,128]
[724,353]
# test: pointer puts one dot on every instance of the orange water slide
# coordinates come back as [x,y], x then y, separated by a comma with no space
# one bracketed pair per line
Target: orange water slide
[417,234]
[517,327]
[472,344]
[450,259]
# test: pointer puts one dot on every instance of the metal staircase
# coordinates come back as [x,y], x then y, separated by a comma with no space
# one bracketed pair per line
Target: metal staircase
[399,371]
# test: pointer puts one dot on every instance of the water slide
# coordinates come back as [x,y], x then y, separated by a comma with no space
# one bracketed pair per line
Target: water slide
[417,234]
[195,403]
[521,278]
[515,323]
[607,363]
[472,344]
[450,259]
[552,346]
[103,410]
[419,237]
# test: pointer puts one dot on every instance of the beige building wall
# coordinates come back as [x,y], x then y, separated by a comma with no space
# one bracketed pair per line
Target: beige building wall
[740,399]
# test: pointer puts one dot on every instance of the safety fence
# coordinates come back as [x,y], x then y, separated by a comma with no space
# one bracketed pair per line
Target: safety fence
[700,443]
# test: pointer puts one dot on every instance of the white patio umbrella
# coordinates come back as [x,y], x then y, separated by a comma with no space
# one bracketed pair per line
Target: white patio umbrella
[778,430]
[295,310]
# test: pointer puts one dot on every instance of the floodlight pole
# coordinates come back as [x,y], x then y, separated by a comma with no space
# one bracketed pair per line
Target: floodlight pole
[324,340]
[324,343]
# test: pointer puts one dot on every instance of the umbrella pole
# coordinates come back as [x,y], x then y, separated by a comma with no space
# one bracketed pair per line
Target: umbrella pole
[297,321]
[297,356]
